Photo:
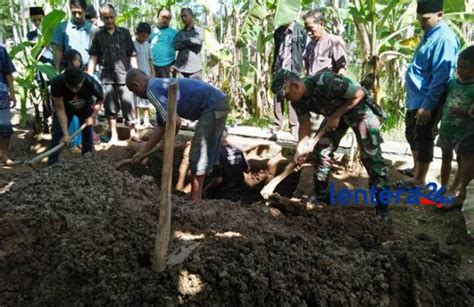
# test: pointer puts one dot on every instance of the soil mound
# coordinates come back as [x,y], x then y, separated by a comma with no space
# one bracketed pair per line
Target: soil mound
[81,233]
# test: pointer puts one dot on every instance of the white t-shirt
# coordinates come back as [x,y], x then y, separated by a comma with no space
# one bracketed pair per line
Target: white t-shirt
[143,56]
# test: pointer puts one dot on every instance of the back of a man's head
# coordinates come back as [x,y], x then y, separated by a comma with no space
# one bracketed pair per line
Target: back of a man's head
[73,76]
[134,75]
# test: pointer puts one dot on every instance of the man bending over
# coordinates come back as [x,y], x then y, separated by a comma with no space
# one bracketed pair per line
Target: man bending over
[196,100]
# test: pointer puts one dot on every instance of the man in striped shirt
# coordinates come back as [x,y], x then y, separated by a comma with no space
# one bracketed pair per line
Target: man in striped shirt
[113,48]
[196,100]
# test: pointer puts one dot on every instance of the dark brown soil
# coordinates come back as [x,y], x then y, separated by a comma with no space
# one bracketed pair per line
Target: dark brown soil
[81,233]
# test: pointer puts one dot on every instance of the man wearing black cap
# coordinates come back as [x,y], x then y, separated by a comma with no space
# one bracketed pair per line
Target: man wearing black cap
[74,93]
[36,17]
[426,80]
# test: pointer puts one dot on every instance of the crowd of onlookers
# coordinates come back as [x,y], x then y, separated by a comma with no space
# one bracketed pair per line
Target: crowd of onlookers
[104,66]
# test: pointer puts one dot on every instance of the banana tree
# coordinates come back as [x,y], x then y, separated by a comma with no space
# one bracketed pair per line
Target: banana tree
[27,55]
[255,42]
[387,38]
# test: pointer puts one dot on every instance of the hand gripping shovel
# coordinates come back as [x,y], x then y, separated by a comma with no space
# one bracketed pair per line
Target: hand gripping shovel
[292,166]
[123,162]
[54,149]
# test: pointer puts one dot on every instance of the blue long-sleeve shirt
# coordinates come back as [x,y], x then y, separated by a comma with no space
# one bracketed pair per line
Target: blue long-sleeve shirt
[194,98]
[431,68]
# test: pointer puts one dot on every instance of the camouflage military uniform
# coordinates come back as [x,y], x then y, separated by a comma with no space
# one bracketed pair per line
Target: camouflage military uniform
[327,92]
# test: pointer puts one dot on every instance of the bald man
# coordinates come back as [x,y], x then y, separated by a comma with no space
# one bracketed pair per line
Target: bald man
[196,100]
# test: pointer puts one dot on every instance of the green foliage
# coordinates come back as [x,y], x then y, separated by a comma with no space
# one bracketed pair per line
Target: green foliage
[453,6]
[286,12]
[6,21]
[27,54]
[126,18]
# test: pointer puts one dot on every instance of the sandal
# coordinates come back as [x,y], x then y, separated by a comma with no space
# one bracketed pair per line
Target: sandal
[410,172]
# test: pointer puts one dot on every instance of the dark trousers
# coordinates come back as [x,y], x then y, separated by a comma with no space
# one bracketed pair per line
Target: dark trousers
[278,107]
[366,127]
[195,75]
[57,135]
[162,71]
[421,137]
[46,103]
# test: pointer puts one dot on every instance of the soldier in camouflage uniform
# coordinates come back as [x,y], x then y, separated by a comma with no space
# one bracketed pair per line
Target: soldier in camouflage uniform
[344,104]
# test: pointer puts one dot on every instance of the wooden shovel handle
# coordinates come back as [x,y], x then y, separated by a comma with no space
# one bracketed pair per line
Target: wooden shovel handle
[55,148]
[123,162]
[269,187]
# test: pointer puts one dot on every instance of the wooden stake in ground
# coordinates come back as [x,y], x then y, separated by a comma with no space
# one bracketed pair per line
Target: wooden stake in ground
[164,223]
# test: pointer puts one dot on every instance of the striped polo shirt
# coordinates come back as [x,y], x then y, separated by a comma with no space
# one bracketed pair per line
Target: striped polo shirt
[114,51]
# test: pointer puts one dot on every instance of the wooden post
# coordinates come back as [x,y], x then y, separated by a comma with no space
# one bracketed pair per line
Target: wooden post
[164,223]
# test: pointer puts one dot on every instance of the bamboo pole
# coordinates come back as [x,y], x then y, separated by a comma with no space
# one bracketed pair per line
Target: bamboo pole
[164,223]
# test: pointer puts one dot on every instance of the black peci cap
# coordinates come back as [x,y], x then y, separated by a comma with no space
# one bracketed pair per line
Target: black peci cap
[36,10]
[429,6]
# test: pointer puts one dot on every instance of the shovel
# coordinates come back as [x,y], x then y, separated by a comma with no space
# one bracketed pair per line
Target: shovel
[290,168]
[54,149]
[123,162]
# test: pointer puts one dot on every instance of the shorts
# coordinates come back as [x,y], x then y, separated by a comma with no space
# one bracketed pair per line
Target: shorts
[119,97]
[204,152]
[6,129]
[193,75]
[466,142]
[142,102]
[447,143]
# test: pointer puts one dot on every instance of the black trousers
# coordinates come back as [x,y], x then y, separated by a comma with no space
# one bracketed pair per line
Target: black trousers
[421,137]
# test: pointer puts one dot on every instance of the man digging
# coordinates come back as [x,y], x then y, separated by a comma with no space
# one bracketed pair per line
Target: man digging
[196,100]
[74,93]
[344,104]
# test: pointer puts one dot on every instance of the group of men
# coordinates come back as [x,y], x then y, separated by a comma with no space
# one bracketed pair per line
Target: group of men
[105,55]
[108,53]
[325,91]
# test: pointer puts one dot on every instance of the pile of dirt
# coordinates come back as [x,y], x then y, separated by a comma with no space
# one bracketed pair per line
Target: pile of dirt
[81,233]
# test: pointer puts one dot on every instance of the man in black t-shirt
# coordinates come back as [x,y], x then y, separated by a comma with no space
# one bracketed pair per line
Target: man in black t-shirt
[74,93]
[227,178]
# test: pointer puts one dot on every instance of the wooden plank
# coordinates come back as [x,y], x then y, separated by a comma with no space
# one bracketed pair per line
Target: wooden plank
[164,222]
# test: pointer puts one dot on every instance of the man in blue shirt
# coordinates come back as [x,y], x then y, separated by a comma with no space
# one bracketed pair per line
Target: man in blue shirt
[161,41]
[196,100]
[73,34]
[426,80]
